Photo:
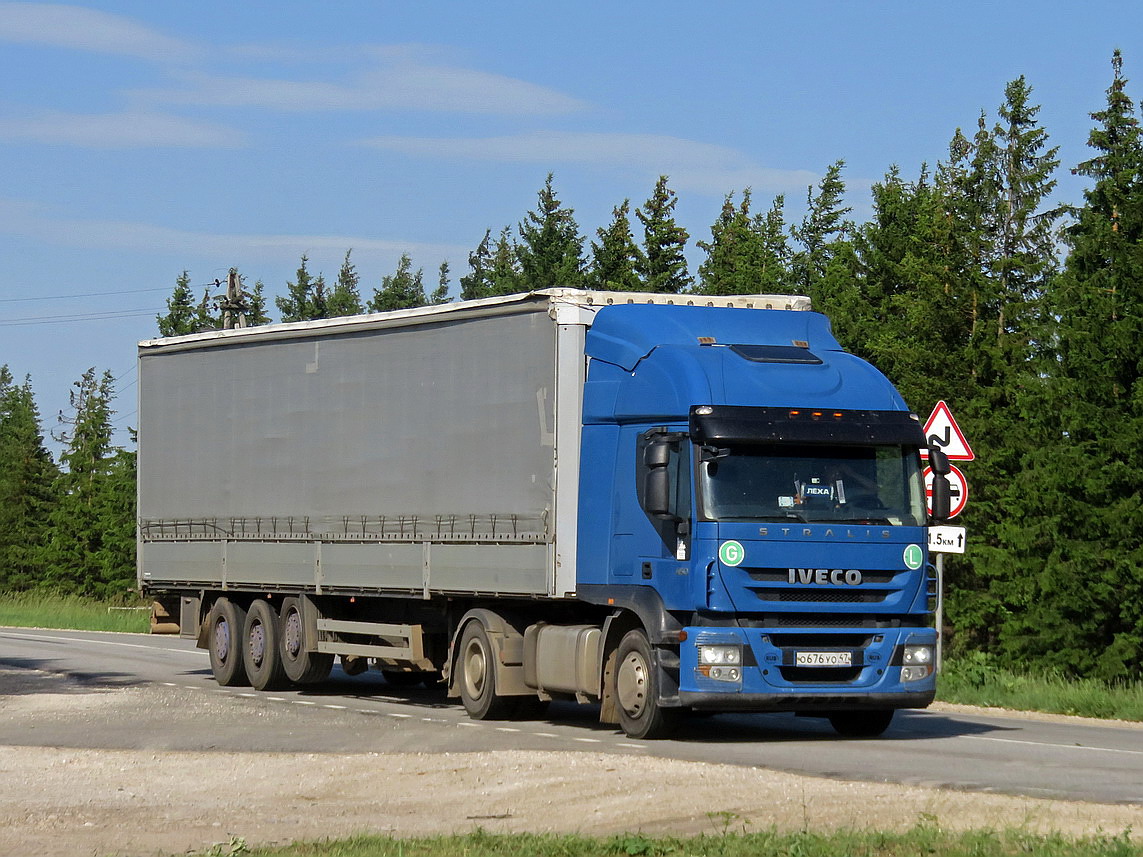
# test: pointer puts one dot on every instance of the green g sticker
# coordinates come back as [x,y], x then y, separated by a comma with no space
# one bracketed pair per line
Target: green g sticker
[731,553]
[914,557]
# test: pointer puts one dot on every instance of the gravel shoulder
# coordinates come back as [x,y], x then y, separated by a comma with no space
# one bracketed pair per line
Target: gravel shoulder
[60,800]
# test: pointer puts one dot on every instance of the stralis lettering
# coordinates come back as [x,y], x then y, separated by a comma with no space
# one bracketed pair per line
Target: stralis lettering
[824,576]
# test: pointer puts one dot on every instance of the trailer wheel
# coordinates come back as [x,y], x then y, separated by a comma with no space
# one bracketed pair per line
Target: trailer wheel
[300,666]
[225,624]
[861,724]
[260,647]
[478,677]
[636,690]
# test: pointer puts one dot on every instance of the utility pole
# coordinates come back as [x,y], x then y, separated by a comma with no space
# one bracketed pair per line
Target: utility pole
[234,304]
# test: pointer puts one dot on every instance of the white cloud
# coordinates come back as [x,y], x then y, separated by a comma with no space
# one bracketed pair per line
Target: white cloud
[84,29]
[401,83]
[30,220]
[119,131]
[692,165]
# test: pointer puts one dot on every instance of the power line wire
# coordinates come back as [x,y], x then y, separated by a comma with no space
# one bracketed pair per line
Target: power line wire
[91,316]
[102,294]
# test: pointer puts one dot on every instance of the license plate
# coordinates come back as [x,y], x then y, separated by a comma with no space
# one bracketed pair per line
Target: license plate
[823,659]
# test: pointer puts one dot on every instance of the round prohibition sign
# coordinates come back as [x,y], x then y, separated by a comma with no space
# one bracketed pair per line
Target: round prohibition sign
[731,553]
[958,490]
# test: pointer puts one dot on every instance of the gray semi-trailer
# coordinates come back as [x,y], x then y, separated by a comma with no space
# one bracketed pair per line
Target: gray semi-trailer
[447,494]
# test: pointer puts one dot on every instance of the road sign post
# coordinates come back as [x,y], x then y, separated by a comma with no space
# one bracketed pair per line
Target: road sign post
[943,433]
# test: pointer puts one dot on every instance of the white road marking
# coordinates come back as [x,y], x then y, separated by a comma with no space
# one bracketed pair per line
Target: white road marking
[197,653]
[1048,744]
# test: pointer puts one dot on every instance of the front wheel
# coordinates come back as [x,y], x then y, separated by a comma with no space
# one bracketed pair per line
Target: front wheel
[861,724]
[636,690]
[477,665]
[226,621]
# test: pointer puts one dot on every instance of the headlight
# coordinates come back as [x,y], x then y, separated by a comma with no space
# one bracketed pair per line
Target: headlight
[918,663]
[918,654]
[720,655]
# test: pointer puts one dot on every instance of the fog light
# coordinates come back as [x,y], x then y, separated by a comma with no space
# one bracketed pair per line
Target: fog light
[915,673]
[720,655]
[731,674]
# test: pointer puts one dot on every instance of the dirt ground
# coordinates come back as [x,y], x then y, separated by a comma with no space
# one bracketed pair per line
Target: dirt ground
[60,801]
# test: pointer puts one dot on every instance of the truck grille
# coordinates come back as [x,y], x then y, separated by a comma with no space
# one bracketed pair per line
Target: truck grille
[819,596]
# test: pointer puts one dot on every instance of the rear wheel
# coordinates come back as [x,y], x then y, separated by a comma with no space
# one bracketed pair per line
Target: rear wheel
[477,665]
[260,647]
[861,724]
[226,621]
[636,690]
[299,665]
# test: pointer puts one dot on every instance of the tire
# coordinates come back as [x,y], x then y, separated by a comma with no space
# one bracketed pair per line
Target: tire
[476,663]
[300,666]
[261,640]
[861,724]
[636,691]
[226,621]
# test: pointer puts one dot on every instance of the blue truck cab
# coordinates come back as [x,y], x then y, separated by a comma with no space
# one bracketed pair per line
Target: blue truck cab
[751,500]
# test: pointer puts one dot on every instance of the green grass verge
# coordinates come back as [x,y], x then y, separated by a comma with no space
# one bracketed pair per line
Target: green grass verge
[923,840]
[975,679]
[45,610]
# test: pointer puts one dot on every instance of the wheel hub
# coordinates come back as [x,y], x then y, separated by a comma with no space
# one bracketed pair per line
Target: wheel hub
[222,640]
[475,669]
[631,684]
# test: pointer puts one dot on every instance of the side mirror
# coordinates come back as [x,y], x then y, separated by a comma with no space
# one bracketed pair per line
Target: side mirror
[658,490]
[939,462]
[657,493]
[942,498]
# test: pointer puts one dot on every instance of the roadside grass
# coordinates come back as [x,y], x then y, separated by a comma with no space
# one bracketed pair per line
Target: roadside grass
[50,610]
[924,839]
[975,679]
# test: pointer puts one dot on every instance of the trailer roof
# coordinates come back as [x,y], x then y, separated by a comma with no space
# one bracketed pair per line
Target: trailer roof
[565,305]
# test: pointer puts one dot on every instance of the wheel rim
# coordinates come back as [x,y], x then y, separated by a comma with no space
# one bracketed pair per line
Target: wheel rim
[631,684]
[293,634]
[222,639]
[257,643]
[475,669]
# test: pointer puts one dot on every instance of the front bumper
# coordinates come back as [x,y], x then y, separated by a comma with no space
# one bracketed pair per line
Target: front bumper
[771,680]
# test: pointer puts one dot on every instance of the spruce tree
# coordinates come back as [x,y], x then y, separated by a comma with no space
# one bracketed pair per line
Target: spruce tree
[256,300]
[345,299]
[403,289]
[731,253]
[616,257]
[440,293]
[86,532]
[1082,610]
[27,486]
[550,252]
[182,316]
[662,265]
[822,229]
[305,298]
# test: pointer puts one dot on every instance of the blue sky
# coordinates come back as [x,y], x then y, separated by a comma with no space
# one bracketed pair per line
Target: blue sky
[141,139]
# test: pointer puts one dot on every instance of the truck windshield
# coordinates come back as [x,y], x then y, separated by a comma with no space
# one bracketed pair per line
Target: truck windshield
[780,482]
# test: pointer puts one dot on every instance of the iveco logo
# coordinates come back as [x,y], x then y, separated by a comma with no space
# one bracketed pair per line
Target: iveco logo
[825,576]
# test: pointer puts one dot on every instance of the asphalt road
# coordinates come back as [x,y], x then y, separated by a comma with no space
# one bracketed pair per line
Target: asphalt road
[983,752]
